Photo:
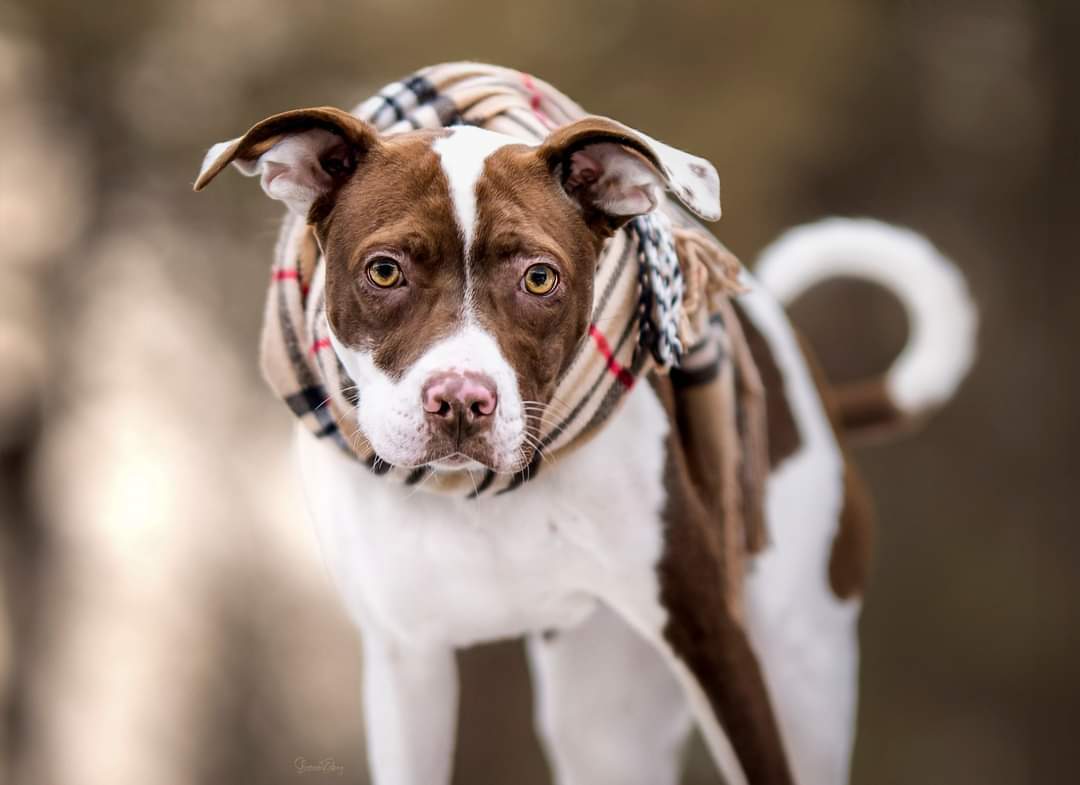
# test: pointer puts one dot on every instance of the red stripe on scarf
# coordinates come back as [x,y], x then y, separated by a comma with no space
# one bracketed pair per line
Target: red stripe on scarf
[621,373]
[534,101]
[287,274]
[321,343]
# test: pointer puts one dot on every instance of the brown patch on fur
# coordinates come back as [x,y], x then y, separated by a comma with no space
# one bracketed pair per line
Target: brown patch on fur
[849,559]
[866,410]
[784,436]
[704,629]
[397,204]
[525,218]
[852,547]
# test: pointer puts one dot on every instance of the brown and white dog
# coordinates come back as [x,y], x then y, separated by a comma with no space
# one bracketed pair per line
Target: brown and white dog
[458,283]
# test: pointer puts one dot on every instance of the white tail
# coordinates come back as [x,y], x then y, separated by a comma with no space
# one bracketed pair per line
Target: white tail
[943,318]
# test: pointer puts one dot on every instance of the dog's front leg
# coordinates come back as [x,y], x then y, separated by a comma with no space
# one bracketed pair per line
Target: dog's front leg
[410,707]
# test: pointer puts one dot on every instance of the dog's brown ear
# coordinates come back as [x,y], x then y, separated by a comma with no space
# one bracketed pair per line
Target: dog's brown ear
[300,155]
[621,173]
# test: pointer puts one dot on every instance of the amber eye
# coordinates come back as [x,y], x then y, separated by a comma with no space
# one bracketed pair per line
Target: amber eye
[384,272]
[540,279]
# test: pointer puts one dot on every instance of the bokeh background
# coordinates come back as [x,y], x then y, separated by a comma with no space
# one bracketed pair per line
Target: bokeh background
[164,614]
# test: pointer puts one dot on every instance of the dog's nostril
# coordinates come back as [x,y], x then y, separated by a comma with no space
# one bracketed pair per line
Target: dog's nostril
[450,395]
[483,405]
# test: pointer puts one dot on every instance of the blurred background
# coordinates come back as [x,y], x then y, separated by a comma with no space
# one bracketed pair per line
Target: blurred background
[164,614]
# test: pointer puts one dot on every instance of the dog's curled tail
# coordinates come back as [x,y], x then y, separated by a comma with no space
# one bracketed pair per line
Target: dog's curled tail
[942,316]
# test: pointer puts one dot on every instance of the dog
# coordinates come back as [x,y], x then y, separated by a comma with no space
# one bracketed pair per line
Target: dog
[457,288]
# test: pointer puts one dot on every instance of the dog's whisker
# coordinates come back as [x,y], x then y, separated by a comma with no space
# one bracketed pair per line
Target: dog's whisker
[420,484]
[357,446]
[529,418]
[518,466]
[539,448]
[544,416]
[544,405]
[540,413]
[544,422]
[329,398]
[556,399]
[556,408]
[476,488]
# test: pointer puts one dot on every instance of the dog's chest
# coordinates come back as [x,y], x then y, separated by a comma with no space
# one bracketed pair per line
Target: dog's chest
[458,575]
[440,569]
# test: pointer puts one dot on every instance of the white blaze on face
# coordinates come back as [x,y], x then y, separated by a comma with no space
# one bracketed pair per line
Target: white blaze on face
[392,418]
[463,153]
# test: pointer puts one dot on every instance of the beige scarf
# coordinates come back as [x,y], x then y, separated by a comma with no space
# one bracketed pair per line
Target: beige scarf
[660,305]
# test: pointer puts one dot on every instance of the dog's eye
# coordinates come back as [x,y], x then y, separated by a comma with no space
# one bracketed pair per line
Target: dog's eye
[384,272]
[540,279]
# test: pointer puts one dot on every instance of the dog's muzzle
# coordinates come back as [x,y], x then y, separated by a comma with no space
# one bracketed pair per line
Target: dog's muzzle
[459,405]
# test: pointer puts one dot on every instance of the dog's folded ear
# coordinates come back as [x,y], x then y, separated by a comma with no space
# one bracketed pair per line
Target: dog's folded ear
[300,155]
[621,173]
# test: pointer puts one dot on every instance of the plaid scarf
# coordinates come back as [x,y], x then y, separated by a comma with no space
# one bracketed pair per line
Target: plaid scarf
[660,300]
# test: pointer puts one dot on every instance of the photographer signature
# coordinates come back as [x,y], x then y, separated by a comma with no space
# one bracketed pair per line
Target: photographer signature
[324,766]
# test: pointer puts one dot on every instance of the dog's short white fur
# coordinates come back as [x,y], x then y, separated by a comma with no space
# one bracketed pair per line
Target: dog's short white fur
[575,550]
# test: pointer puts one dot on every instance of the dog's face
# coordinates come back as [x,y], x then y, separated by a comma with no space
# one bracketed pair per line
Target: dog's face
[459,263]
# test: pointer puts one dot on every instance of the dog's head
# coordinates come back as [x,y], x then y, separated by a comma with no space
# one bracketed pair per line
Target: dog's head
[459,262]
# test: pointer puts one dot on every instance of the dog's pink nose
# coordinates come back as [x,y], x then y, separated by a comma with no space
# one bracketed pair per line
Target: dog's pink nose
[451,395]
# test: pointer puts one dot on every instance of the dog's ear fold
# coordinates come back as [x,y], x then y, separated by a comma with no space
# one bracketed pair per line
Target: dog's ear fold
[299,155]
[620,173]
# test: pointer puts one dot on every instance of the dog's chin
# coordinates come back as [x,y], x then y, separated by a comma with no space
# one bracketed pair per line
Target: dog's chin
[464,458]
[443,456]
[457,462]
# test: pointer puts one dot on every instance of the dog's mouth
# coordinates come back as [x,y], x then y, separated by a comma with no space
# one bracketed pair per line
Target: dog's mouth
[459,461]
[476,456]
[508,449]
